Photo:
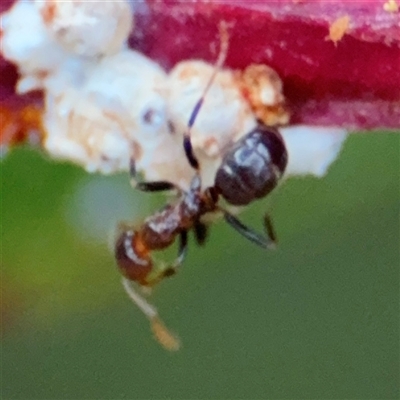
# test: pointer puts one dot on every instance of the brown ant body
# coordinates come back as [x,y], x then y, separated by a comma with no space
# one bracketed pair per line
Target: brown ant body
[250,169]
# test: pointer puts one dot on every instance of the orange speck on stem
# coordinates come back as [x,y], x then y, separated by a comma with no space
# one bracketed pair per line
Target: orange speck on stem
[19,125]
[338,29]
[391,6]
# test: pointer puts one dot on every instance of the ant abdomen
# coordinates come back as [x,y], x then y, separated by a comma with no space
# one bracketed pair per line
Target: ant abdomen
[132,257]
[252,167]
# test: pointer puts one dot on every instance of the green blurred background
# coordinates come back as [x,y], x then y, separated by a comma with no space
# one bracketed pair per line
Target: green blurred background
[318,318]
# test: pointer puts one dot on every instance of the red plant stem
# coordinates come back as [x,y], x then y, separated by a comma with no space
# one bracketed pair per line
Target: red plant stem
[354,83]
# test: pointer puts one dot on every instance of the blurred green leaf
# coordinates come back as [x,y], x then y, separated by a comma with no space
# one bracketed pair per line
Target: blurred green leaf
[318,318]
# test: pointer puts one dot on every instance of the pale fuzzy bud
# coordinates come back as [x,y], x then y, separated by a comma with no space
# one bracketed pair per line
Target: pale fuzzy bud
[312,149]
[263,89]
[229,110]
[87,28]
[224,116]
[102,112]
[119,113]
[25,42]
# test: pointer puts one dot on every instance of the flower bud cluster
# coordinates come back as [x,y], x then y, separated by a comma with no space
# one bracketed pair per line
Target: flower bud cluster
[106,104]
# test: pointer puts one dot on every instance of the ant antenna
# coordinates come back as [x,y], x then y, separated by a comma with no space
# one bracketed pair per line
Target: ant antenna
[187,145]
[160,331]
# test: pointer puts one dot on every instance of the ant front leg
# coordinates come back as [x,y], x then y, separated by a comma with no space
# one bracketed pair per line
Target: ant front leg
[183,246]
[266,242]
[157,186]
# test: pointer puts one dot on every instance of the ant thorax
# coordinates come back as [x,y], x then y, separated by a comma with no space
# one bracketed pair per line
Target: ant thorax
[160,229]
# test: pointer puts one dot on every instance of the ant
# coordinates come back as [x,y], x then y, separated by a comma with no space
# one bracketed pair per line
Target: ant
[250,169]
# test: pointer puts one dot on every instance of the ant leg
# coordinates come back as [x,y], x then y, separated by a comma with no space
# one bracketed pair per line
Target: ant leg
[269,228]
[157,186]
[183,246]
[167,271]
[200,232]
[187,144]
[161,332]
[267,242]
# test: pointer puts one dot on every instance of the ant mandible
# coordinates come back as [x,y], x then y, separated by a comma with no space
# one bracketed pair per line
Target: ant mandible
[250,169]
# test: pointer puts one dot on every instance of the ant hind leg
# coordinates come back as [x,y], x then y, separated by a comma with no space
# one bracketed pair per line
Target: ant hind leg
[266,242]
[269,229]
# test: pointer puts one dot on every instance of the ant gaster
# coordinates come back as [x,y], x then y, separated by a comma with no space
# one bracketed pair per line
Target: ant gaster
[250,169]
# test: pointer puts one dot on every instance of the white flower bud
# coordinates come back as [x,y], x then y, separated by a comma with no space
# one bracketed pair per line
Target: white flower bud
[87,28]
[26,43]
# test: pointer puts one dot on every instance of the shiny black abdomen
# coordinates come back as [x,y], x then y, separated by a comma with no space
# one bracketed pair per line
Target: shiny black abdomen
[252,167]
